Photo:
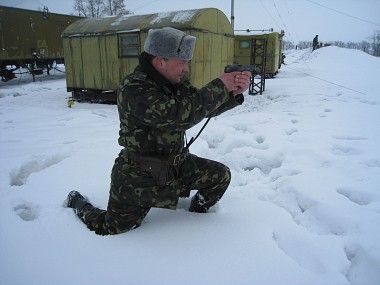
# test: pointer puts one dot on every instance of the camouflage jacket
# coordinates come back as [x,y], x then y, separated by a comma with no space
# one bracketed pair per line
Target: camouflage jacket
[154,114]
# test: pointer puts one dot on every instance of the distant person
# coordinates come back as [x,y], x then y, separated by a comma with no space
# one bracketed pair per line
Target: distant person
[315,42]
[156,105]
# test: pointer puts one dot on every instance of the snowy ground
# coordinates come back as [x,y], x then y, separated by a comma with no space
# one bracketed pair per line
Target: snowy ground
[303,206]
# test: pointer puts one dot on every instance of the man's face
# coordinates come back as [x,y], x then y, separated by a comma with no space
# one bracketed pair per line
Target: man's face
[174,69]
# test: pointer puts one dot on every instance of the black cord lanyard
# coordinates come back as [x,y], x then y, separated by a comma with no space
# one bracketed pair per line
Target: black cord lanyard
[194,138]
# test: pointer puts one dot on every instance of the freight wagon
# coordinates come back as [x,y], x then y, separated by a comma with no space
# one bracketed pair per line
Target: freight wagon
[100,52]
[29,38]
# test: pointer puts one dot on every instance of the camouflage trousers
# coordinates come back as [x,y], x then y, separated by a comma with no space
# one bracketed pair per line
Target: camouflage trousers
[133,192]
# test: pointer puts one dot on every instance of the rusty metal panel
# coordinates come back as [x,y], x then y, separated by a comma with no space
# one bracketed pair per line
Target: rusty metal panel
[24,32]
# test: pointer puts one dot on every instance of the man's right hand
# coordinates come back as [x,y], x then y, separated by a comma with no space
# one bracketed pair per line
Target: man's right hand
[236,82]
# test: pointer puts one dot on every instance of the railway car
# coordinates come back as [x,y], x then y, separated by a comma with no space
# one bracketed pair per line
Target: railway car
[29,38]
[100,52]
[245,52]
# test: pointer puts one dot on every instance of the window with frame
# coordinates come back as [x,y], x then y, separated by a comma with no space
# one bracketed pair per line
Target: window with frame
[129,45]
[245,44]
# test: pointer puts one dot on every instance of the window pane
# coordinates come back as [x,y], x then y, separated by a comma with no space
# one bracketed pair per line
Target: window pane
[130,51]
[129,40]
[244,44]
[129,45]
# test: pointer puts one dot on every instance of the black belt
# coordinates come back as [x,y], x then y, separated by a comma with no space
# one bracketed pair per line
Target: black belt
[173,160]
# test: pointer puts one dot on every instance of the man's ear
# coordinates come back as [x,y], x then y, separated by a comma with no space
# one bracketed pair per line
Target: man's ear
[158,63]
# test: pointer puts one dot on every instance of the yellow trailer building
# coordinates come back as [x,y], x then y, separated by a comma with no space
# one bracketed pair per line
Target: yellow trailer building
[100,52]
[244,51]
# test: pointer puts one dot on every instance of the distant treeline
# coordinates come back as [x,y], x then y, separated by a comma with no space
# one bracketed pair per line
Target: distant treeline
[372,46]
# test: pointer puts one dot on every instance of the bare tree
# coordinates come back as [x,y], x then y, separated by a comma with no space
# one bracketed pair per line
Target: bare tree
[115,7]
[364,46]
[304,44]
[350,45]
[79,7]
[95,8]
[99,8]
[288,45]
[376,43]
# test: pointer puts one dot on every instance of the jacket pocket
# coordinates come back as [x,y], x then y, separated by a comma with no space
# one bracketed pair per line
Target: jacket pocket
[157,167]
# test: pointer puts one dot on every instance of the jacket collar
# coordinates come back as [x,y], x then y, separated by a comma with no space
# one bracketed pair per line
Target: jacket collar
[148,68]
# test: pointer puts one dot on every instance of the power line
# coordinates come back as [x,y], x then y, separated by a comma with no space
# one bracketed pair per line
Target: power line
[21,3]
[270,15]
[345,14]
[144,5]
[285,27]
[327,81]
[290,18]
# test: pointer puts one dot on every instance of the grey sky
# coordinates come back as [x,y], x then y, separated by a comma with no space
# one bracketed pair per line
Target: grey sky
[343,20]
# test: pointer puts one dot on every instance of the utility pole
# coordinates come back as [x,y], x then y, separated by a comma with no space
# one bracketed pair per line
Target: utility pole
[232,14]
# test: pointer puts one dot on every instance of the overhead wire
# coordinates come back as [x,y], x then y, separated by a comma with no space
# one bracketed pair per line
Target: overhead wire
[291,20]
[144,5]
[270,15]
[340,12]
[282,20]
[327,81]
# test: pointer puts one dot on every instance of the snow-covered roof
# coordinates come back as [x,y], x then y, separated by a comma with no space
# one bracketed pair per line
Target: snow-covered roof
[185,19]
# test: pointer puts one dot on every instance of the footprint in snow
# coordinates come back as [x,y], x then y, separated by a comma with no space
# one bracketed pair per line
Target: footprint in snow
[372,103]
[325,111]
[290,131]
[19,176]
[372,163]
[265,163]
[293,202]
[292,114]
[363,265]
[355,196]
[344,150]
[70,142]
[350,137]
[307,213]
[27,211]
[260,139]
[284,174]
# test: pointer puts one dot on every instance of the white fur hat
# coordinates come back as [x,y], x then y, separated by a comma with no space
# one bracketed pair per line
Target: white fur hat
[170,43]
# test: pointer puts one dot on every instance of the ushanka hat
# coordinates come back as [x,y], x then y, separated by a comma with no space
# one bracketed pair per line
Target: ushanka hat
[170,43]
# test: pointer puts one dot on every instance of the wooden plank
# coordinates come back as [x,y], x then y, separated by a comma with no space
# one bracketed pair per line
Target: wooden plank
[91,65]
[73,63]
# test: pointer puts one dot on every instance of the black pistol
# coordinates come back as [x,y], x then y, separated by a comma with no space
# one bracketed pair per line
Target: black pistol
[232,68]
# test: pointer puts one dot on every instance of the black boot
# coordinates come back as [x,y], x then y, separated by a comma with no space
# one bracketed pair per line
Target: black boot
[76,201]
[198,204]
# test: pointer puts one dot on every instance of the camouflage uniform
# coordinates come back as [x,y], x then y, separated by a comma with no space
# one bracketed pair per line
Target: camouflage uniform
[154,115]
